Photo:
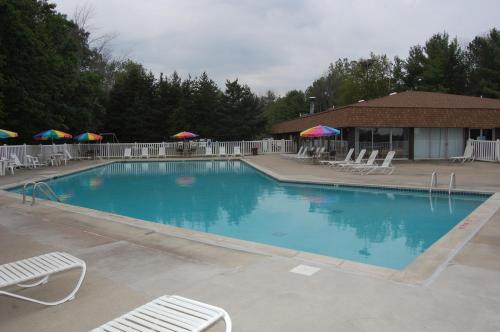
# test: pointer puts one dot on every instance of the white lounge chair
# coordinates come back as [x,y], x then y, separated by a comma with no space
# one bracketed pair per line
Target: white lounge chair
[237,151]
[127,153]
[209,152]
[34,162]
[369,162]
[162,152]
[347,160]
[17,163]
[357,161]
[144,152]
[222,151]
[468,155]
[307,154]
[302,154]
[36,271]
[169,313]
[288,155]
[386,165]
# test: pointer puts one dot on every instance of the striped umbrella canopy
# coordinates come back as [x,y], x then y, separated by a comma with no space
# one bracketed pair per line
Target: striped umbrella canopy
[85,137]
[51,134]
[7,134]
[184,135]
[320,131]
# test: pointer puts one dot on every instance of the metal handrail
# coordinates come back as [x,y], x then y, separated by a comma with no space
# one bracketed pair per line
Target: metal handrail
[433,182]
[453,183]
[45,189]
[24,189]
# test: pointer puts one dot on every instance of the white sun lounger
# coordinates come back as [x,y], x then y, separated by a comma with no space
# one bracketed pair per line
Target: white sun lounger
[347,160]
[162,153]
[34,162]
[222,151]
[144,152]
[237,151]
[467,155]
[369,162]
[299,153]
[17,163]
[169,313]
[357,161]
[36,271]
[386,165]
[127,153]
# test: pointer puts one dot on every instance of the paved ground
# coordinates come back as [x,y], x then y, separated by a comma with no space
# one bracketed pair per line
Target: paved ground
[128,266]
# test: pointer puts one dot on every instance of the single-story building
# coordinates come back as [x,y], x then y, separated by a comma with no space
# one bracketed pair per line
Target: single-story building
[417,124]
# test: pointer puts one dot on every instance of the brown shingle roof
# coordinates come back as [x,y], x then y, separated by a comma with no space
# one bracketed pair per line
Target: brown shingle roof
[407,109]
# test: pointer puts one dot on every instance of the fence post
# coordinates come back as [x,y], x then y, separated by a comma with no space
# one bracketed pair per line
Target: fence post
[497,145]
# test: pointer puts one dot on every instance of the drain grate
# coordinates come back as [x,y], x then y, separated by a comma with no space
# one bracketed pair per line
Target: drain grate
[305,270]
[279,234]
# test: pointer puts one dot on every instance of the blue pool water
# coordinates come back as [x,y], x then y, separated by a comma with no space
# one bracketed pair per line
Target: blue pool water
[382,227]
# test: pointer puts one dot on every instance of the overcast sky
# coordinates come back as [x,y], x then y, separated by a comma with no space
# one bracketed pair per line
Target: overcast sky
[276,44]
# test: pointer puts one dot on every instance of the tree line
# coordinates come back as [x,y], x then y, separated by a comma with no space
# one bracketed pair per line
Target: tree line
[52,75]
[440,65]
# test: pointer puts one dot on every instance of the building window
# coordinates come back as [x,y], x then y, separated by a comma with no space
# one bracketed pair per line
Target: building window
[481,134]
[383,140]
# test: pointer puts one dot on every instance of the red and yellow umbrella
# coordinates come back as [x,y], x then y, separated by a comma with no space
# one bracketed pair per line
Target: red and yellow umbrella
[320,131]
[85,137]
[184,135]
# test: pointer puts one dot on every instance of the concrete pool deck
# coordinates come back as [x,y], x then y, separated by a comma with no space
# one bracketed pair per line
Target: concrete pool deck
[129,265]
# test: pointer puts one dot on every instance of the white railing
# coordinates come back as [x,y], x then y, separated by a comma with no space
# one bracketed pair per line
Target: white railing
[172,149]
[486,150]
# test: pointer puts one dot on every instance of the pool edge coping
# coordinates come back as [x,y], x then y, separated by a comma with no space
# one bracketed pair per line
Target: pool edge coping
[420,272]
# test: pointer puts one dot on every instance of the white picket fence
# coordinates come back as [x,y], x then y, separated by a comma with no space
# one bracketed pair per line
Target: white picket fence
[172,149]
[486,150]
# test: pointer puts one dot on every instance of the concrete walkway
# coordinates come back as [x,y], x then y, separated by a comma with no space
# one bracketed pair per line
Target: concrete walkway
[128,266]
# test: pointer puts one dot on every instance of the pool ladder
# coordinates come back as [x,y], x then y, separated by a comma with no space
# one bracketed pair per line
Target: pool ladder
[41,186]
[434,182]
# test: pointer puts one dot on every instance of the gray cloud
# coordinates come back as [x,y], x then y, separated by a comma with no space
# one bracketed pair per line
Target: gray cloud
[276,44]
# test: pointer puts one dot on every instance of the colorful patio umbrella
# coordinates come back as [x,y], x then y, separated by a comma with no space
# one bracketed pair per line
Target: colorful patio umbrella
[7,134]
[85,137]
[184,135]
[51,134]
[320,131]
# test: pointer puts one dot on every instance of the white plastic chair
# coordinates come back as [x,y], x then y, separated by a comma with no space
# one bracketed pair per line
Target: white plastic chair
[16,161]
[222,151]
[144,152]
[347,160]
[357,161]
[369,162]
[162,152]
[237,151]
[169,313]
[467,155]
[36,271]
[209,151]
[127,153]
[386,165]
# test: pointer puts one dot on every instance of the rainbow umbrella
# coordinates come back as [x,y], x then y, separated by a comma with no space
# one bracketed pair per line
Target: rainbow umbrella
[85,137]
[320,131]
[7,134]
[184,135]
[51,134]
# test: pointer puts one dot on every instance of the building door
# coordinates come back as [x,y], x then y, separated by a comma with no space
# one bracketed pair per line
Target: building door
[438,143]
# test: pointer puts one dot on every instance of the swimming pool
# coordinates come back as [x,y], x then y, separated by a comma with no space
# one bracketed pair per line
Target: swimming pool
[377,226]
